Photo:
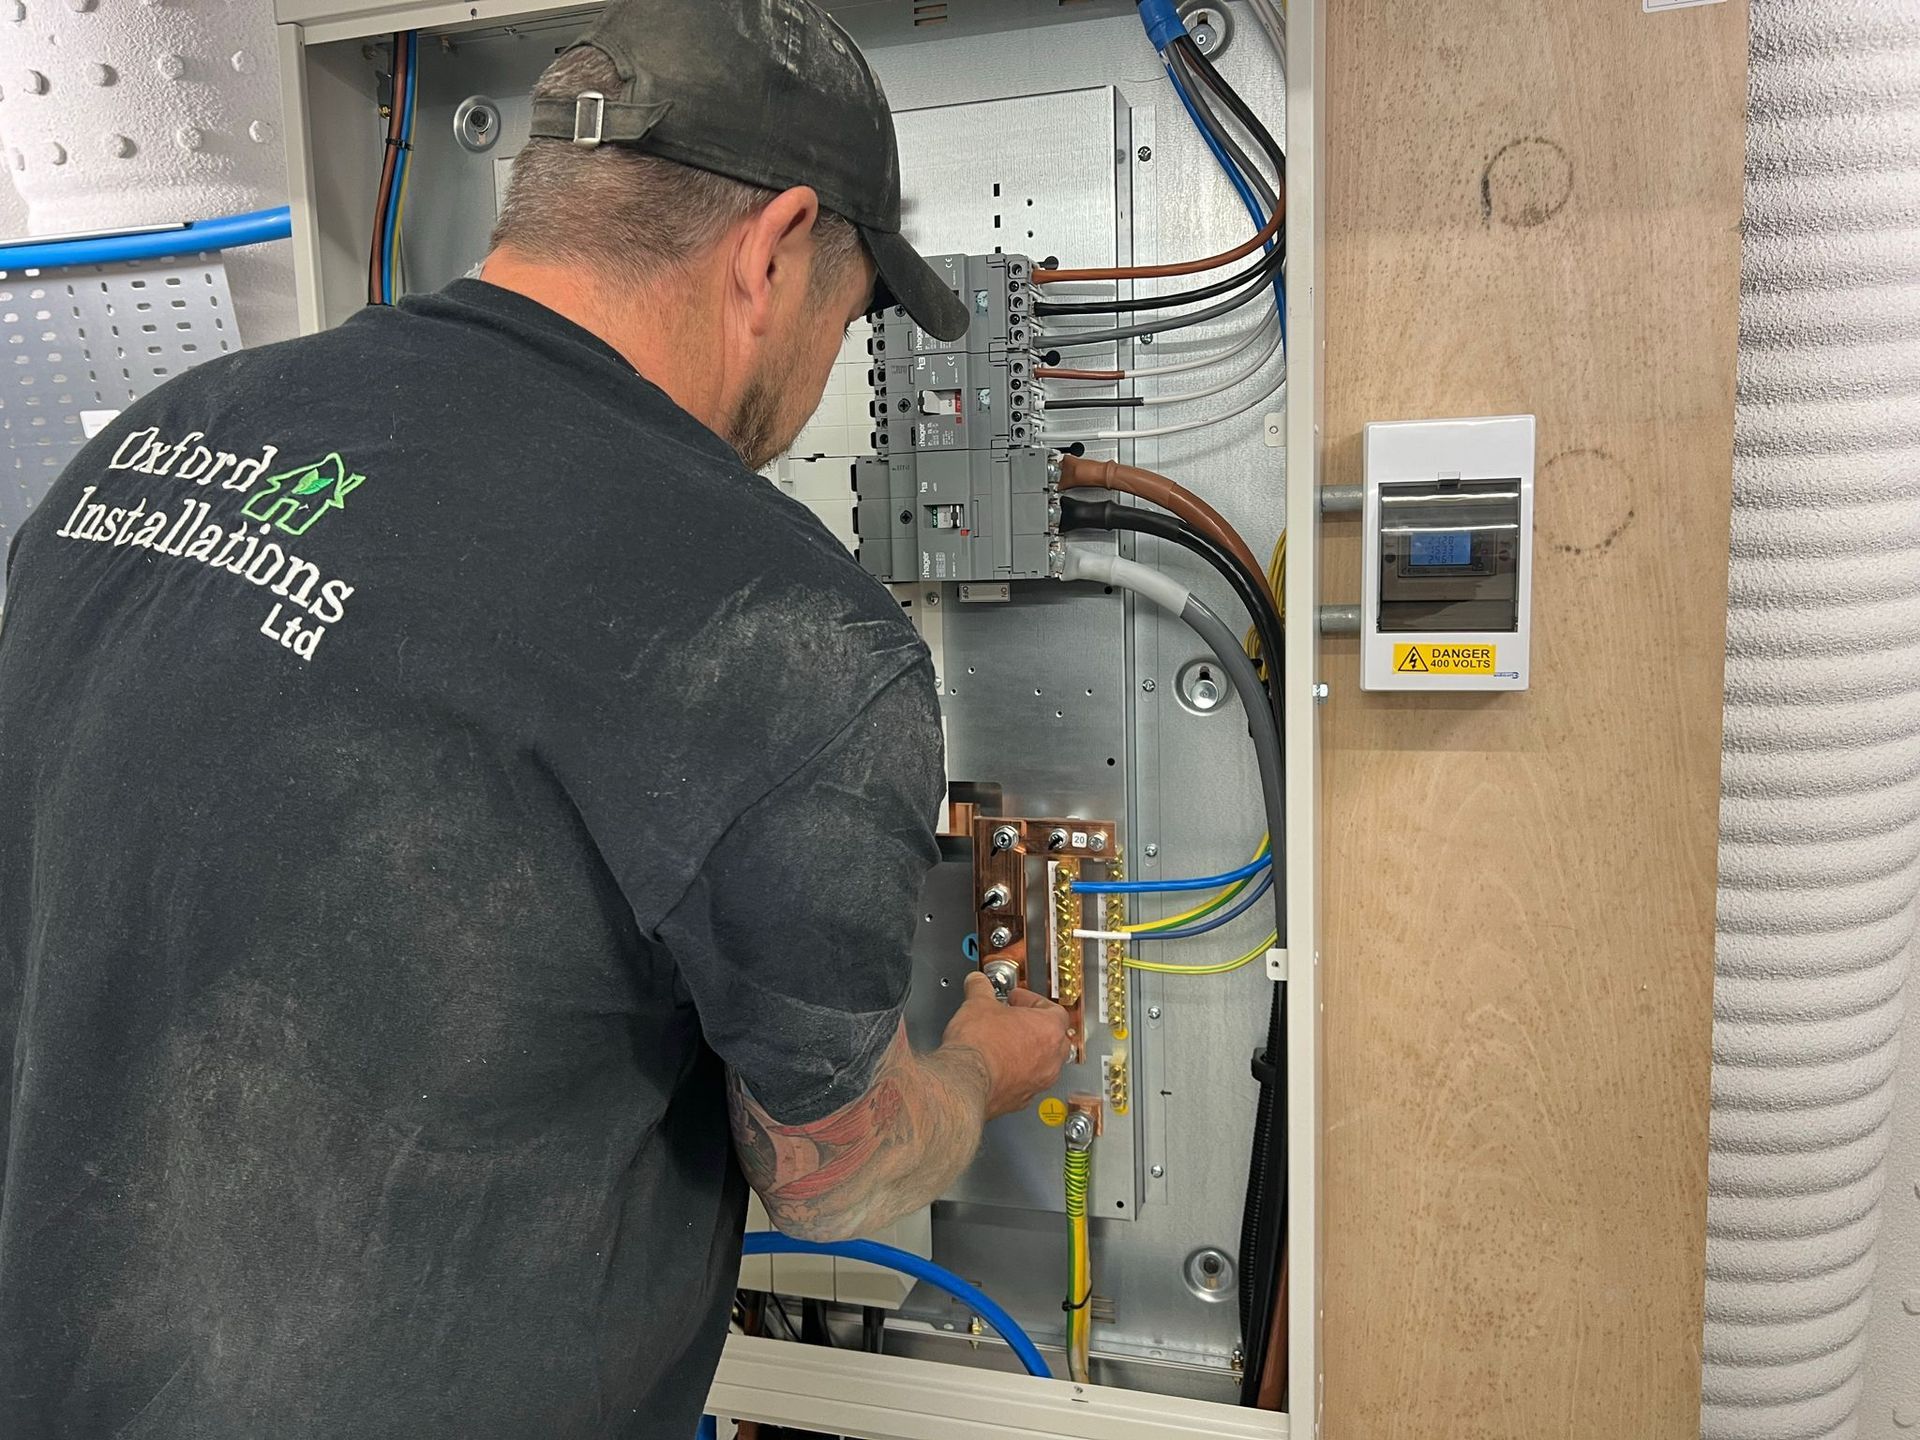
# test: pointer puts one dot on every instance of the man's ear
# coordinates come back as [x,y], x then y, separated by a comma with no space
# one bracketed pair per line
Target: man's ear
[773,259]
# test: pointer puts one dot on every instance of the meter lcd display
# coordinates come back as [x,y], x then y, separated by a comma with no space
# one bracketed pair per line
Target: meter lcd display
[1440,549]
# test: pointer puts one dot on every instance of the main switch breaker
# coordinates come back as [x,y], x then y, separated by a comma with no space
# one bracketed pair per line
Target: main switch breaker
[957,490]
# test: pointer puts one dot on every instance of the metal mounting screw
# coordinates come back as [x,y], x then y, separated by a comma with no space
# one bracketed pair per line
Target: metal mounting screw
[1320,693]
[1005,837]
[1079,1130]
[1148,686]
[1146,153]
[1000,938]
[933,599]
[1151,851]
[995,898]
[1096,843]
[1158,1172]
[1057,839]
[1153,1012]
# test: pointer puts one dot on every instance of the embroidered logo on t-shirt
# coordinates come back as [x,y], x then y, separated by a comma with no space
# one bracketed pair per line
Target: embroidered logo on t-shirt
[183,526]
[295,499]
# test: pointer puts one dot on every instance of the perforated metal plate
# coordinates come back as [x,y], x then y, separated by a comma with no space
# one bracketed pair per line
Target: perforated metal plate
[88,342]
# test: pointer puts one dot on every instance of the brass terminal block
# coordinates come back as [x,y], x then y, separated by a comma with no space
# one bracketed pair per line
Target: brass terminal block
[1066,919]
[1116,953]
[1119,1086]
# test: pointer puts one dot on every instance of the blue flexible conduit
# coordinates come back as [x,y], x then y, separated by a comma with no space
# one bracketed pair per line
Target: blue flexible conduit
[254,228]
[768,1242]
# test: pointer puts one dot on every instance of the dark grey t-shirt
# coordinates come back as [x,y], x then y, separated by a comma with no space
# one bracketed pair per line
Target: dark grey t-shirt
[426,756]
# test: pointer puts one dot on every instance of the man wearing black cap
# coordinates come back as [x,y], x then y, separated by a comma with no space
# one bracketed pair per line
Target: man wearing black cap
[444,792]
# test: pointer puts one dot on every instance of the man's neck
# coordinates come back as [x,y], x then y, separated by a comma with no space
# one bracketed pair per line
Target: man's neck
[636,324]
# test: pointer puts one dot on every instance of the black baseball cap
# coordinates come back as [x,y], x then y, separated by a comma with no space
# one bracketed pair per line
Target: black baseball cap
[770,92]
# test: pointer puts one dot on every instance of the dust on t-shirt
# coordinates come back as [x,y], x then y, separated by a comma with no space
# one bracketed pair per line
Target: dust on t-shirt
[427,758]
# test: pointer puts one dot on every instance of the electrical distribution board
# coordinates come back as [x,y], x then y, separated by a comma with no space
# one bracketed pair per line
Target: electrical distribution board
[1109,1219]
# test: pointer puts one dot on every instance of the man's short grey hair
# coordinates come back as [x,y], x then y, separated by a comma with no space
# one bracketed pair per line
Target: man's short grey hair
[630,215]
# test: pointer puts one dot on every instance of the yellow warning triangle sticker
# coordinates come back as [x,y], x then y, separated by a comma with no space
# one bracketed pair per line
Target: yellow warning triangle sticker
[1412,661]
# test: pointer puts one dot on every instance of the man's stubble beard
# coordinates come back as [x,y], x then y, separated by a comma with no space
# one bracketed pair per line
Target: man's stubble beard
[754,428]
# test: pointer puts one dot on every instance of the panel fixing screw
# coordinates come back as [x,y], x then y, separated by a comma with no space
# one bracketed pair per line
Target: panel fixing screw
[1146,153]
[1148,686]
[1057,840]
[1000,937]
[1096,843]
[933,599]
[1151,851]
[1158,1172]
[995,898]
[1005,837]
[1153,1012]
[1320,693]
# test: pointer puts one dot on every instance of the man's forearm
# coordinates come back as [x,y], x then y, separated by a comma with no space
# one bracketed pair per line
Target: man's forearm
[888,1153]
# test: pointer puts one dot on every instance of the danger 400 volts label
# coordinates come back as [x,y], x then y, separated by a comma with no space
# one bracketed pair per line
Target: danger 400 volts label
[1445,659]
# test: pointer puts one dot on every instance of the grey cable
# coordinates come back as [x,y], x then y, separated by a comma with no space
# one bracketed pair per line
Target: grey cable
[1202,100]
[1265,733]
[1081,562]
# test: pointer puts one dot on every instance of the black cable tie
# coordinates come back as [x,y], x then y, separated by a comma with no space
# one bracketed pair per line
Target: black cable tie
[1263,1070]
[394,144]
[1069,1306]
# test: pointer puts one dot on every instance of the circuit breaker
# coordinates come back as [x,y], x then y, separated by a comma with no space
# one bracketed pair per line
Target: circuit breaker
[957,491]
[1447,587]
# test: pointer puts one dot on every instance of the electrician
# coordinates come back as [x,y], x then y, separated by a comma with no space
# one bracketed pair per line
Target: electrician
[450,848]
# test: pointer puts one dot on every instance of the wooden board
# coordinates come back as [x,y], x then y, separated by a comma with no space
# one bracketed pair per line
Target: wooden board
[1532,207]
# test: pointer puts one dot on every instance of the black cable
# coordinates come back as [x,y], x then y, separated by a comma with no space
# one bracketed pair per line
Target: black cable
[1154,302]
[1094,402]
[793,1331]
[1215,81]
[1276,259]
[873,1329]
[1078,514]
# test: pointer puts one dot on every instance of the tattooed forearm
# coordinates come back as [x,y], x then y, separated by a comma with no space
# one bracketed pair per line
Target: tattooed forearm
[886,1154]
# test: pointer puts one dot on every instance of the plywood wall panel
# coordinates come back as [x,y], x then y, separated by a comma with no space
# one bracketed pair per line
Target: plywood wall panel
[1532,208]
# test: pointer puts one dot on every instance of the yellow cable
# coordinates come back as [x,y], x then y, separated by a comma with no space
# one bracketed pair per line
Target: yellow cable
[1273,938]
[1175,921]
[1079,1177]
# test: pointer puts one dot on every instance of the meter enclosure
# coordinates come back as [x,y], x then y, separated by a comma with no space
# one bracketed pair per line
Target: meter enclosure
[1448,586]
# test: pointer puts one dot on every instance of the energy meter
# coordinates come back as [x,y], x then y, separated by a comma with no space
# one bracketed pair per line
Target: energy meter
[1447,588]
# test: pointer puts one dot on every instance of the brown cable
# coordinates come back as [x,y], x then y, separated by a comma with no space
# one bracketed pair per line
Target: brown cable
[1184,267]
[1051,372]
[1080,473]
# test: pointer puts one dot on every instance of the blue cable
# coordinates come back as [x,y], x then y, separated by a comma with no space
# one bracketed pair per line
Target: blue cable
[254,228]
[709,1429]
[402,162]
[1155,887]
[1245,903]
[871,1252]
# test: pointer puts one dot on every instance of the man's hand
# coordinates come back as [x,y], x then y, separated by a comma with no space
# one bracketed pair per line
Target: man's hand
[1022,1044]
[901,1145]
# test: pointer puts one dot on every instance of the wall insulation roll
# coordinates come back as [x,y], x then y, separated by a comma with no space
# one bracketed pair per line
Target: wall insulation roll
[1811,1226]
